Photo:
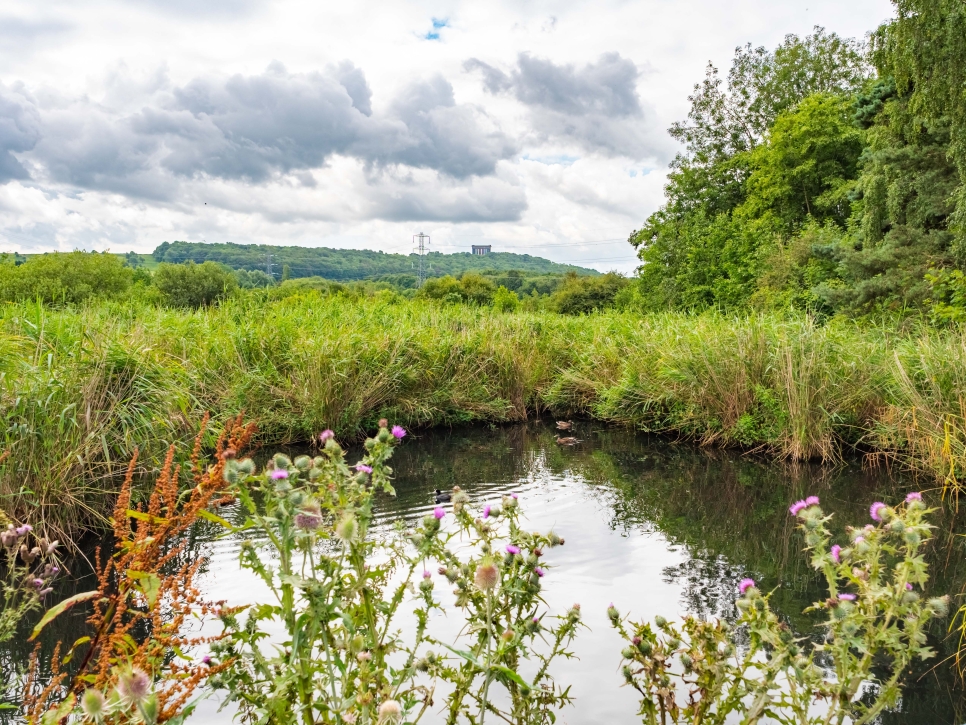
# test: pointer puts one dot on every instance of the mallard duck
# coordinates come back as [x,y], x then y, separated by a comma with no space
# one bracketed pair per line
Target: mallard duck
[564,424]
[440,496]
[568,441]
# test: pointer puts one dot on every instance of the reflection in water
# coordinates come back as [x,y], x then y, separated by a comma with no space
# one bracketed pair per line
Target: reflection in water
[652,526]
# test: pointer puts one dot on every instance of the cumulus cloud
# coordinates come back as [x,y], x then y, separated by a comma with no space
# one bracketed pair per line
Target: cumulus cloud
[246,128]
[596,105]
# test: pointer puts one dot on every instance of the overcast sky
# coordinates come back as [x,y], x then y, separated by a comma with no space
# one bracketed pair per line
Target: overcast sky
[537,127]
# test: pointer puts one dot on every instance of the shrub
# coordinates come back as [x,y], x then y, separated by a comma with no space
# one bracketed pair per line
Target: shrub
[505,301]
[471,288]
[580,295]
[65,278]
[194,285]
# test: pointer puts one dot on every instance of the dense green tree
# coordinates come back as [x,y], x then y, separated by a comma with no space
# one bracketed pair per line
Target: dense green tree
[65,277]
[194,285]
[581,295]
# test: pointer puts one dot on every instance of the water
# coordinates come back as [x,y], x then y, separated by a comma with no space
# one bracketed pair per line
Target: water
[652,526]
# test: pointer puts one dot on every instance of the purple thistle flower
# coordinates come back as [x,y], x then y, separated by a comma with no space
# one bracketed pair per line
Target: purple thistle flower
[325,435]
[206,659]
[745,584]
[398,431]
[308,520]
[908,587]
[875,509]
[511,549]
[913,496]
[363,468]
[426,574]
[859,539]
[438,512]
[811,501]
[25,529]
[796,508]
[847,597]
[513,495]
[279,473]
[486,511]
[540,572]
[38,583]
[836,553]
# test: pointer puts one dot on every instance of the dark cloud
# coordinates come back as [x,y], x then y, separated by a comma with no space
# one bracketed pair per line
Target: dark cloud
[597,106]
[253,128]
[19,131]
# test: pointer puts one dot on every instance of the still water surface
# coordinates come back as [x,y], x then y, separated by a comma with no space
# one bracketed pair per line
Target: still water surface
[652,526]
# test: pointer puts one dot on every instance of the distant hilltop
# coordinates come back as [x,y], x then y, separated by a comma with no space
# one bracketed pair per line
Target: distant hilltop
[353,264]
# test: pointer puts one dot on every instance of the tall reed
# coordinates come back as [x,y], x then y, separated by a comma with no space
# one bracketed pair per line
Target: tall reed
[80,388]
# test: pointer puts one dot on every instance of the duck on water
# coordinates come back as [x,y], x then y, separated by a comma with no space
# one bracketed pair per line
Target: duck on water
[441,497]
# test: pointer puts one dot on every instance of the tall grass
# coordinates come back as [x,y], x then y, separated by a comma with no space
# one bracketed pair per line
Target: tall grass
[81,388]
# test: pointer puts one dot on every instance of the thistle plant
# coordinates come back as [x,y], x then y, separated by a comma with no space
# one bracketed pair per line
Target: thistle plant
[498,587]
[696,672]
[29,569]
[336,592]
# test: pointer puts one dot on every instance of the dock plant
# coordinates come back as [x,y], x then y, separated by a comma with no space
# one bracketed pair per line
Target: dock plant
[758,670]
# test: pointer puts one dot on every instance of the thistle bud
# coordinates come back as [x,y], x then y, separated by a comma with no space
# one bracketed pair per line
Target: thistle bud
[938,606]
[660,622]
[487,575]
[612,614]
[507,635]
[347,528]
[628,653]
[303,463]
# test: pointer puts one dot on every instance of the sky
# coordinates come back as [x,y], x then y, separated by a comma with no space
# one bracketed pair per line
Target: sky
[536,127]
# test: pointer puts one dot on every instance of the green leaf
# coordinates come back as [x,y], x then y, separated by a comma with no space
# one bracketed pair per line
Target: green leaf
[70,655]
[148,583]
[215,518]
[59,609]
[510,674]
[465,655]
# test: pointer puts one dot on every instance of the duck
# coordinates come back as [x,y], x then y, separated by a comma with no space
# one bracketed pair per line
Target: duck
[568,441]
[564,424]
[441,497]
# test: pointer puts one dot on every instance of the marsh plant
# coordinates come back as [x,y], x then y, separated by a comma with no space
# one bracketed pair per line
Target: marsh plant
[29,569]
[337,593]
[875,613]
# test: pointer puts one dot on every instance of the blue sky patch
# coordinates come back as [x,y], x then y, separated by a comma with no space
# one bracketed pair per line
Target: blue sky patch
[438,24]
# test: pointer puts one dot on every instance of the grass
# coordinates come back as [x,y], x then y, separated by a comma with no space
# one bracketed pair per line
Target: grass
[81,388]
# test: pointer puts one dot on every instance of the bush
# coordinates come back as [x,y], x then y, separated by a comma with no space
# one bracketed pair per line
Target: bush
[65,278]
[194,285]
[505,301]
[580,295]
[471,287]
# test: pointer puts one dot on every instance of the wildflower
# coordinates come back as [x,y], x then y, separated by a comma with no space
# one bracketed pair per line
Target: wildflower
[875,510]
[398,432]
[847,597]
[836,554]
[612,613]
[278,474]
[426,574]
[512,550]
[513,495]
[540,572]
[133,686]
[363,468]
[438,512]
[913,496]
[24,530]
[325,436]
[745,584]
[486,511]
[390,712]
[38,583]
[9,537]
[92,703]
[44,592]
[307,520]
[859,539]
[797,507]
[908,587]
[383,423]
[206,660]
[811,501]
[487,575]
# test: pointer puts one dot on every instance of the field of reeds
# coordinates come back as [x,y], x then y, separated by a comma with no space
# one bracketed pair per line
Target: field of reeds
[81,388]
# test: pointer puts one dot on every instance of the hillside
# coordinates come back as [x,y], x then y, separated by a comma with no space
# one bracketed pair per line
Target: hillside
[352,264]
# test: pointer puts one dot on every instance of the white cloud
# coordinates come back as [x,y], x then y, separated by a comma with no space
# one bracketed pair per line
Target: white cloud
[123,124]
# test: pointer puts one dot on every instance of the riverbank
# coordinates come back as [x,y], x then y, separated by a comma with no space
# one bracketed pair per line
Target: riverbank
[81,388]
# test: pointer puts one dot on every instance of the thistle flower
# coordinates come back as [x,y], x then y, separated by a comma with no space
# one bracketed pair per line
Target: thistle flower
[426,574]
[398,432]
[908,587]
[307,520]
[797,507]
[539,572]
[206,660]
[93,703]
[847,597]
[913,496]
[513,495]
[278,473]
[390,712]
[438,512]
[325,436]
[133,686]
[612,613]
[24,530]
[486,511]
[836,553]
[487,575]
[811,501]
[745,584]
[875,510]
[512,550]
[363,468]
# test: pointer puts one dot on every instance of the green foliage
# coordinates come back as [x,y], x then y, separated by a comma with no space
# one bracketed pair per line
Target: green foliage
[194,285]
[64,278]
[29,569]
[470,288]
[353,264]
[505,301]
[582,295]
[776,677]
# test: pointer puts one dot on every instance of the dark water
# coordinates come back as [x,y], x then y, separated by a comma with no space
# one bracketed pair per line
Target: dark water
[652,526]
